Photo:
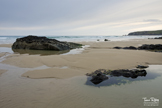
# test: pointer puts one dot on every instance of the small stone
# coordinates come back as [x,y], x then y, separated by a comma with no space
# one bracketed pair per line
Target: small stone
[141,66]
[106,40]
[117,47]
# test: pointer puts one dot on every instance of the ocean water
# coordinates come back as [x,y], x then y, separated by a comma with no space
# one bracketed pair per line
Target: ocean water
[12,39]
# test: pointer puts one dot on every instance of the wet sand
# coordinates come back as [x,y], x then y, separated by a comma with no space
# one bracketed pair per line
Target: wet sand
[6,45]
[21,92]
[2,71]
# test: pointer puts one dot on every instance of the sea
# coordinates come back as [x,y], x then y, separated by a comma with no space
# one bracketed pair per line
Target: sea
[12,39]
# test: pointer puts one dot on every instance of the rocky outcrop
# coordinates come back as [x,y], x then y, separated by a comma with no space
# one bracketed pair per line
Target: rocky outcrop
[151,47]
[117,47]
[98,78]
[42,43]
[156,38]
[141,66]
[100,75]
[133,73]
[106,40]
[157,32]
[130,47]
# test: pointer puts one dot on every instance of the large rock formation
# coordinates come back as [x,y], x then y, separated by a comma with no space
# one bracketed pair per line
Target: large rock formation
[133,73]
[43,43]
[151,47]
[157,32]
[158,38]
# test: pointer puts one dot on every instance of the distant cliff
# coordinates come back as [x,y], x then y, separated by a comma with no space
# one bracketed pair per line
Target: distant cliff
[157,32]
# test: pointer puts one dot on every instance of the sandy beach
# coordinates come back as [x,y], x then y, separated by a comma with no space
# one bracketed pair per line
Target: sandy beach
[59,81]
[2,71]
[80,54]
[100,55]
[6,45]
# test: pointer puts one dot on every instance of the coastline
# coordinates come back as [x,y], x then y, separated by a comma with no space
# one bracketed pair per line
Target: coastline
[99,55]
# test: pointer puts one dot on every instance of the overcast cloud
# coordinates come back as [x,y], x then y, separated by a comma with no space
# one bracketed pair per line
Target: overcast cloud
[79,17]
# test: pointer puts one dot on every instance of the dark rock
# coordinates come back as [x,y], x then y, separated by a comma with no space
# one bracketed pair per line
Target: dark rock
[158,51]
[117,47]
[133,73]
[130,47]
[98,78]
[141,66]
[150,47]
[99,71]
[106,40]
[158,38]
[42,43]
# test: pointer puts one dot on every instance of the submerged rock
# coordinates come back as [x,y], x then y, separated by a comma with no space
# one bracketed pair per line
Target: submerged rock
[42,43]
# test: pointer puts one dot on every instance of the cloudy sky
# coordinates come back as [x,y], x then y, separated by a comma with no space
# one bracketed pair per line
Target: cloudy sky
[79,17]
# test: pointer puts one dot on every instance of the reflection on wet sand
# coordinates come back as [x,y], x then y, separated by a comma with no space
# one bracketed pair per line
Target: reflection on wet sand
[39,52]
[20,92]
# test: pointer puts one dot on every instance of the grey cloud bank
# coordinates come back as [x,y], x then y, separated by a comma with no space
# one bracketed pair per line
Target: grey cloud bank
[78,17]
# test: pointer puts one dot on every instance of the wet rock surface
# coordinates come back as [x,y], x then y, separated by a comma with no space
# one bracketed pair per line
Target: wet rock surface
[141,66]
[117,47]
[156,38]
[100,75]
[98,78]
[43,43]
[130,47]
[151,47]
[106,40]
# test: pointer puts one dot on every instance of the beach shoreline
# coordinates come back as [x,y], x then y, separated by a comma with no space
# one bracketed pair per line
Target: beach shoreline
[100,55]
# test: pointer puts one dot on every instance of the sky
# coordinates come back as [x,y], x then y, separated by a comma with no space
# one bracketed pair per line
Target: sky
[79,17]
